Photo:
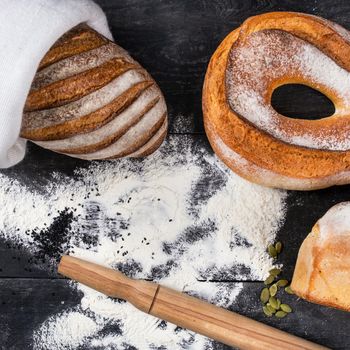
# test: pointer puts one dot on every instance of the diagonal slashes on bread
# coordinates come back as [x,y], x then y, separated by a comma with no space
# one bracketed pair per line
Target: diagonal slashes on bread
[128,115]
[73,88]
[91,100]
[79,39]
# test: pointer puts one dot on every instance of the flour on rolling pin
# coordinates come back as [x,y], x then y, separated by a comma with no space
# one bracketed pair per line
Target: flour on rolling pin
[178,216]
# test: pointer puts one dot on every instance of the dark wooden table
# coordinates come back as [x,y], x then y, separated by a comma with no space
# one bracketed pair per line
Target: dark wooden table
[174,40]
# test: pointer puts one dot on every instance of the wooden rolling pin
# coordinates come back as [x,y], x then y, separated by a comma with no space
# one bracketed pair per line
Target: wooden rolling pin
[183,310]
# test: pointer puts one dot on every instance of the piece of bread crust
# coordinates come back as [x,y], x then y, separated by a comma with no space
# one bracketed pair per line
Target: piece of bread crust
[322,271]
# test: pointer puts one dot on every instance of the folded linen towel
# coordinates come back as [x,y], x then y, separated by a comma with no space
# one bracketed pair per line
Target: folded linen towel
[27,31]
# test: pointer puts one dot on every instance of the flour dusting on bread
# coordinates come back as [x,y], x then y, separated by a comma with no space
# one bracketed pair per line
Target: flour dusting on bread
[91,100]
[272,55]
[265,52]
[335,222]
[322,270]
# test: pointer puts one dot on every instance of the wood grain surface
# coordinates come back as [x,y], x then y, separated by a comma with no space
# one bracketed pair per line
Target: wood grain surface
[173,40]
[182,309]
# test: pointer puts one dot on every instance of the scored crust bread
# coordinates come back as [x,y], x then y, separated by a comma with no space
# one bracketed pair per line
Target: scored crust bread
[322,271]
[89,99]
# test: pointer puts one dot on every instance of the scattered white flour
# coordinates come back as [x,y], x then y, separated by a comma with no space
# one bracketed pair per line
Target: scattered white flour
[179,217]
[71,327]
[182,124]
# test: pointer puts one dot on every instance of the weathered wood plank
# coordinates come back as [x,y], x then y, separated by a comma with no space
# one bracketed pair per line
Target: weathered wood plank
[174,40]
[303,208]
[26,303]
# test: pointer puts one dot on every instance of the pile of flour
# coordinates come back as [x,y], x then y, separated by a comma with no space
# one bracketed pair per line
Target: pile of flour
[178,217]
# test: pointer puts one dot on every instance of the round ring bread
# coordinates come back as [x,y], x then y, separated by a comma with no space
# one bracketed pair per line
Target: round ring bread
[255,141]
[89,99]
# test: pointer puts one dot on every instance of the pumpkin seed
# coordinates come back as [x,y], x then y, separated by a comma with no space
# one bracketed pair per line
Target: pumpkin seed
[286,308]
[278,247]
[275,272]
[265,295]
[273,290]
[269,280]
[270,308]
[272,251]
[280,314]
[282,283]
[273,305]
[289,290]
[267,312]
[273,302]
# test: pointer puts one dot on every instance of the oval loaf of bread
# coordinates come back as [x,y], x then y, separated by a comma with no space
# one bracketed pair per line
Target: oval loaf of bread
[91,100]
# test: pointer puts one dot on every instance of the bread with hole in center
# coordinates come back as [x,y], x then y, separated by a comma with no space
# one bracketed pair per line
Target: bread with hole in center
[247,133]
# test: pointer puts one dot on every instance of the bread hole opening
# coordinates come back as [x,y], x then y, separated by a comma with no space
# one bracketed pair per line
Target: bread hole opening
[301,102]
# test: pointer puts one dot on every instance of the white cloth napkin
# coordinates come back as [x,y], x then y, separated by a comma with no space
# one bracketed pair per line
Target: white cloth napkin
[28,28]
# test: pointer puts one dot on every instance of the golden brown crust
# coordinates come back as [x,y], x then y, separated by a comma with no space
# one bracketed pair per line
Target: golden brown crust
[154,144]
[142,141]
[111,138]
[79,39]
[312,167]
[112,108]
[73,88]
[322,270]
[259,175]
[90,121]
